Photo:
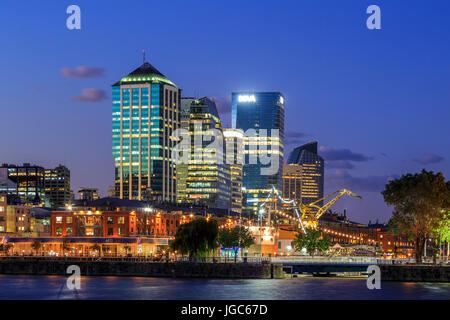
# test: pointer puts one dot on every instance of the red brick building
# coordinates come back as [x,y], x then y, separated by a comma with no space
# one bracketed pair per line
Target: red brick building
[115,223]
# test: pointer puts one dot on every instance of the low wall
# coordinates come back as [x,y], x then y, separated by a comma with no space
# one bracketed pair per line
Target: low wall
[415,273]
[145,269]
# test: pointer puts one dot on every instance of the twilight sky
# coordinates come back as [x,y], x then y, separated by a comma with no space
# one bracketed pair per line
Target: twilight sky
[378,101]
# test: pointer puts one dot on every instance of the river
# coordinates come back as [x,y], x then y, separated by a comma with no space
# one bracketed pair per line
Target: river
[53,287]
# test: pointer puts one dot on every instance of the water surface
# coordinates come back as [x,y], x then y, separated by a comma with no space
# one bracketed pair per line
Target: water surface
[53,287]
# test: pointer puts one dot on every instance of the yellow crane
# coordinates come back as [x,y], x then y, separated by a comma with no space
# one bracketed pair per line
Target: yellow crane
[310,213]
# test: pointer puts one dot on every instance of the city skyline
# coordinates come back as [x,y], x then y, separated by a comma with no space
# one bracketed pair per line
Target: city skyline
[358,120]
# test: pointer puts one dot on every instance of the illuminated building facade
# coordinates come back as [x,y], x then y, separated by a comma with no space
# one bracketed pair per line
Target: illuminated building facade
[145,112]
[312,172]
[3,206]
[182,168]
[28,180]
[110,217]
[14,217]
[259,114]
[57,186]
[234,146]
[88,194]
[208,178]
[292,182]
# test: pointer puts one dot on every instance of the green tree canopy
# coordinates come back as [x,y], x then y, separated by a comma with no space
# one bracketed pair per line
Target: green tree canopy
[313,241]
[5,247]
[420,201]
[196,238]
[36,245]
[236,237]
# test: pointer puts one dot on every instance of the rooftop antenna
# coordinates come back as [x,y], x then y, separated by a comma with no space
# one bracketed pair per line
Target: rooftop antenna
[143,56]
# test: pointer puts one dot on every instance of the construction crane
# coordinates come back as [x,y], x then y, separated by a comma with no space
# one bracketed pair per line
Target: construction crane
[310,213]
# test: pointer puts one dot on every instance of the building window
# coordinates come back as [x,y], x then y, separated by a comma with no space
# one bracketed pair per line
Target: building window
[110,231]
[120,231]
[121,220]
[89,231]
[69,220]
[59,219]
[69,232]
[110,220]
[58,231]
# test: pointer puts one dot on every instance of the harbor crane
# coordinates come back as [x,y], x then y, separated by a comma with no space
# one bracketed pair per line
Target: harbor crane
[309,214]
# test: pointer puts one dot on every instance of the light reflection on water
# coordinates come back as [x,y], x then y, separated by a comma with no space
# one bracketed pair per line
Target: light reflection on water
[53,287]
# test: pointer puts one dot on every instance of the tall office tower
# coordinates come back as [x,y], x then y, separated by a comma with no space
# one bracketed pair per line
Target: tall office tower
[292,182]
[182,168]
[57,186]
[234,146]
[145,113]
[260,115]
[208,179]
[312,172]
[29,182]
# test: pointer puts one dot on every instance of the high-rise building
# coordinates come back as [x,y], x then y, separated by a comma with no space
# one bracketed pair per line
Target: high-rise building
[57,186]
[144,115]
[88,194]
[28,180]
[234,146]
[261,116]
[292,182]
[312,172]
[182,168]
[208,176]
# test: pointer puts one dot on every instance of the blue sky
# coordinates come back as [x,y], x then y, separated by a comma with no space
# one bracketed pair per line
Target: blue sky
[378,101]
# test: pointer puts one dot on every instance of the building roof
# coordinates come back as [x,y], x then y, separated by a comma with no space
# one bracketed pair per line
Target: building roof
[109,202]
[295,156]
[145,73]
[41,212]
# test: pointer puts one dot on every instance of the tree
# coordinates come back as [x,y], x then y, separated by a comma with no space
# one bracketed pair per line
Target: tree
[313,241]
[36,245]
[5,248]
[236,237]
[196,238]
[418,200]
[440,234]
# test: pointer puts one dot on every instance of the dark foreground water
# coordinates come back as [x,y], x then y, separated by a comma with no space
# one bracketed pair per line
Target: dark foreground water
[53,287]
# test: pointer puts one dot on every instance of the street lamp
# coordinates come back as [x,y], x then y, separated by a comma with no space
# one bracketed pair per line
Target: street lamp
[261,212]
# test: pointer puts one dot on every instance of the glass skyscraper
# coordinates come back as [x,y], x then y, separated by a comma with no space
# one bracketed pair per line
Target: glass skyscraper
[312,172]
[206,180]
[144,115]
[260,114]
